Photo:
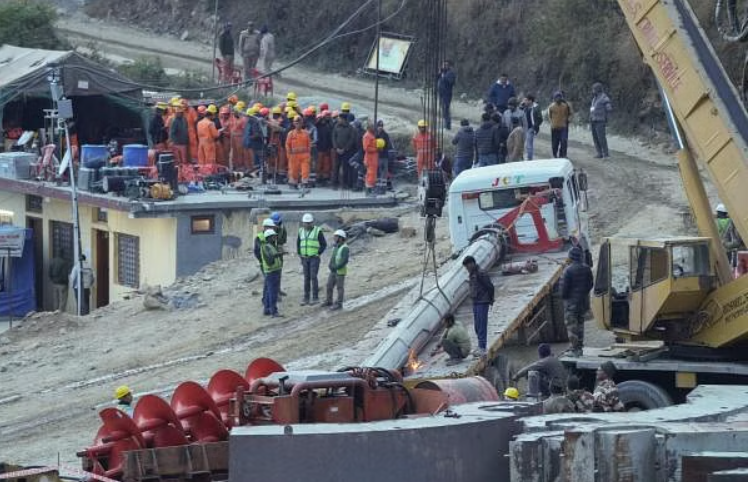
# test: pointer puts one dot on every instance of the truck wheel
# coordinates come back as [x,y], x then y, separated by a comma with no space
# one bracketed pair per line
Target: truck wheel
[637,395]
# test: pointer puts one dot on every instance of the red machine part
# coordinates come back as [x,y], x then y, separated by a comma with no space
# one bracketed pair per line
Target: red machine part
[462,390]
[198,413]
[117,435]
[262,367]
[158,423]
[222,388]
[530,206]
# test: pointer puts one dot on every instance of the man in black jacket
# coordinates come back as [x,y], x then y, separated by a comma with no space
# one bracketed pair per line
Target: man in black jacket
[344,138]
[487,142]
[444,85]
[575,291]
[465,150]
[482,294]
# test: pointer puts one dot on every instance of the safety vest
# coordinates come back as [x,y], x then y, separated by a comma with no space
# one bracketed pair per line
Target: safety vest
[268,250]
[309,242]
[722,225]
[337,255]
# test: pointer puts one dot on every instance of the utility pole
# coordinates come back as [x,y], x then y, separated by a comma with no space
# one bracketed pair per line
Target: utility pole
[379,53]
[215,35]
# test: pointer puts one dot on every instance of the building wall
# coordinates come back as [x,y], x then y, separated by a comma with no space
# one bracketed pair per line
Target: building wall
[196,250]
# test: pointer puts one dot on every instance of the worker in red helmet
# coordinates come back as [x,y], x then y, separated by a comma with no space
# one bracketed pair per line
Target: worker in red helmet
[324,106]
[299,152]
[371,158]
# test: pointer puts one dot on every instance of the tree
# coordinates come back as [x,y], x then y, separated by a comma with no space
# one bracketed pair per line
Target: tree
[29,24]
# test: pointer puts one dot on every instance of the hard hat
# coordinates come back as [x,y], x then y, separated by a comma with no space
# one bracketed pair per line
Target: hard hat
[423,123]
[258,105]
[173,100]
[324,106]
[176,102]
[264,112]
[289,109]
[233,99]
[308,111]
[269,232]
[307,218]
[277,110]
[381,144]
[313,108]
[161,105]
[297,118]
[276,217]
[345,106]
[252,111]
[241,105]
[511,393]
[292,103]
[721,208]
[224,110]
[268,223]
[341,233]
[212,109]
[291,96]
[121,392]
[201,109]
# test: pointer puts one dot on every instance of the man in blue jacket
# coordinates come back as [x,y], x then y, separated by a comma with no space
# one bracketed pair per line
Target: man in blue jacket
[500,93]
[444,86]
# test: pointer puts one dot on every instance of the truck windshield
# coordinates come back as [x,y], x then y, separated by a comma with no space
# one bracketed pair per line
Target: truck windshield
[507,198]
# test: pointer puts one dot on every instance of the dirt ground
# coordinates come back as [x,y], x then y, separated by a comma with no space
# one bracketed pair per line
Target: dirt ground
[56,370]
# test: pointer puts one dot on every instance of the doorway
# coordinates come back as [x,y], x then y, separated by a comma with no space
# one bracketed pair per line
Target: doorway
[37,238]
[102,267]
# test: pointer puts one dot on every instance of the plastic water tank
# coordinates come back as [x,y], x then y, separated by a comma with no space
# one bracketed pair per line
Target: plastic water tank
[135,155]
[94,156]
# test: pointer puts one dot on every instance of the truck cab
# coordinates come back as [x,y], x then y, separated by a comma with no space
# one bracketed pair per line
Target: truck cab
[480,197]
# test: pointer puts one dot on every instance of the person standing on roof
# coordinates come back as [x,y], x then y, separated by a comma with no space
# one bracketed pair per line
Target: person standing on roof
[548,367]
[299,151]
[533,120]
[444,86]
[253,139]
[559,114]
[455,341]
[464,141]
[344,138]
[600,109]
[500,93]
[179,135]
[226,47]
[371,158]
[605,397]
[249,46]
[124,398]
[157,128]
[576,285]
[482,294]
[207,136]
[272,265]
[338,270]
[310,244]
[324,145]
[424,147]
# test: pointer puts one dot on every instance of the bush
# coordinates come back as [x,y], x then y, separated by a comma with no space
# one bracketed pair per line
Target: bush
[146,70]
[29,24]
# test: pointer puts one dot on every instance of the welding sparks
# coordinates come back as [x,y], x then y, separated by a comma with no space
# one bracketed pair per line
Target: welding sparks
[413,363]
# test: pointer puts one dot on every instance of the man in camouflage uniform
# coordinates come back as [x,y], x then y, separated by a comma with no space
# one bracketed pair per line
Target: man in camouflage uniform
[557,402]
[579,397]
[605,397]
[575,291]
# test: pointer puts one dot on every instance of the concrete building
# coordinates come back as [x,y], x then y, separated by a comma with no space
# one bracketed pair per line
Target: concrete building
[135,243]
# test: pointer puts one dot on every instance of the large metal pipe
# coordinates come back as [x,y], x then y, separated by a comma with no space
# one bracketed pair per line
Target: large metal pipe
[416,328]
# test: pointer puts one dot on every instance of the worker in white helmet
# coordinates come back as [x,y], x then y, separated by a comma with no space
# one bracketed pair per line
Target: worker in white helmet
[272,265]
[729,236]
[310,244]
[267,223]
[338,269]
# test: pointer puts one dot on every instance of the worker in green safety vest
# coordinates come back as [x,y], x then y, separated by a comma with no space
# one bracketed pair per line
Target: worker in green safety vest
[310,244]
[272,265]
[338,269]
[728,235]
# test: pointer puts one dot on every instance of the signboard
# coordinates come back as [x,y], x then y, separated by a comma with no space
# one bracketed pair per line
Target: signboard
[11,241]
[393,53]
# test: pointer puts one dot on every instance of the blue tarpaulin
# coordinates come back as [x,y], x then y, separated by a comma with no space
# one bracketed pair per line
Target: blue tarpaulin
[17,296]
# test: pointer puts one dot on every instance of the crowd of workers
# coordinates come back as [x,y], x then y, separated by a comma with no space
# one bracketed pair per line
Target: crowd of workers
[303,147]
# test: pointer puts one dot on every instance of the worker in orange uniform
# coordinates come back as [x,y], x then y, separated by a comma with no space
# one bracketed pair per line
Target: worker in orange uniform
[223,144]
[371,158]
[299,152]
[425,147]
[207,136]
[191,115]
[237,155]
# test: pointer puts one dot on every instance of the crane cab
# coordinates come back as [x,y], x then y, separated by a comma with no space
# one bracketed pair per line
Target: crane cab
[652,288]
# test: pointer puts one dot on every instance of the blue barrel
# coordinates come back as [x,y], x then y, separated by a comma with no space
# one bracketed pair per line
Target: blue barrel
[135,155]
[94,156]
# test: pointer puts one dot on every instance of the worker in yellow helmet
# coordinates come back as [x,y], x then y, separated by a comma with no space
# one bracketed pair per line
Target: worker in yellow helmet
[511,394]
[124,398]
[291,96]
[424,147]
[345,108]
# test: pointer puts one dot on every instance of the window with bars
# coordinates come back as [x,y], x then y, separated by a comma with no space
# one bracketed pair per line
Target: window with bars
[128,260]
[62,240]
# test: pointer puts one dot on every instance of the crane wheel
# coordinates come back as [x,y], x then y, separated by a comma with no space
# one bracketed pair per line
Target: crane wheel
[638,395]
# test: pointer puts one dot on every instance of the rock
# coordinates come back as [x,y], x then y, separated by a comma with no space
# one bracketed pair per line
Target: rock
[3,369]
[378,233]
[108,350]
[255,293]
[207,278]
[154,299]
[92,368]
[185,35]
[4,340]
[62,331]
[408,232]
